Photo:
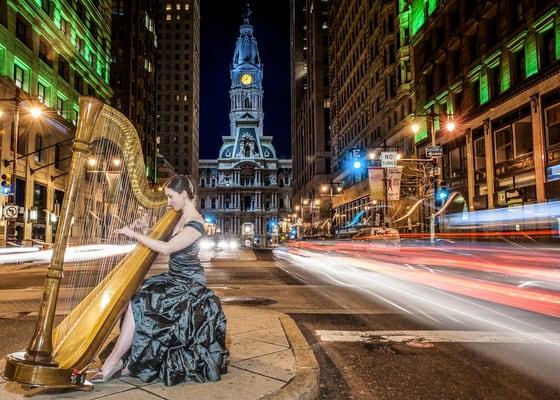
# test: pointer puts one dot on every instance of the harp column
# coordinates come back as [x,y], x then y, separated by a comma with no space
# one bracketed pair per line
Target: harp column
[40,347]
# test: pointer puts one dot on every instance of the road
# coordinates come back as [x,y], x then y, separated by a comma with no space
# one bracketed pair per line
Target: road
[375,335]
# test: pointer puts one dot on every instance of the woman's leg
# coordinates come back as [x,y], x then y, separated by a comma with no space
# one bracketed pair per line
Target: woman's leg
[123,342]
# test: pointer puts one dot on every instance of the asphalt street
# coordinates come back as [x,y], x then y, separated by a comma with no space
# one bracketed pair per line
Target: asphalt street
[352,328]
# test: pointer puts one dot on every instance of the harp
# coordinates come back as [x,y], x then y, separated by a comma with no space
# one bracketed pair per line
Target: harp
[58,358]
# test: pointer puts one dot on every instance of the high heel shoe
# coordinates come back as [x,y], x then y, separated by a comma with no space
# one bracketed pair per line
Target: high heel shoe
[116,372]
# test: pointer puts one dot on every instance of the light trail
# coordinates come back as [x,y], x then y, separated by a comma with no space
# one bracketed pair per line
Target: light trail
[73,254]
[535,338]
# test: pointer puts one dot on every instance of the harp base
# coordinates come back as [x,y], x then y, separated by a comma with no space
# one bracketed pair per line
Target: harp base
[32,375]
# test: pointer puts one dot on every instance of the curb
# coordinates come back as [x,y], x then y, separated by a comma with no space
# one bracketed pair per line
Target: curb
[305,384]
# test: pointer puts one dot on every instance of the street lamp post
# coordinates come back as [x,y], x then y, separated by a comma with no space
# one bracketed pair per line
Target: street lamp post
[11,233]
[450,126]
[329,188]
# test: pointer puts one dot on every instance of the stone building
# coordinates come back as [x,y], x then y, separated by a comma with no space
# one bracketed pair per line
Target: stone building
[493,65]
[246,191]
[50,54]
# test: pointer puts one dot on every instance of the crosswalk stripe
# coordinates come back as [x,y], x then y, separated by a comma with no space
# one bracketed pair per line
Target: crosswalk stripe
[439,336]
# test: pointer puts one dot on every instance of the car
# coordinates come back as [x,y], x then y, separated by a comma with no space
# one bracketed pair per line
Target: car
[379,235]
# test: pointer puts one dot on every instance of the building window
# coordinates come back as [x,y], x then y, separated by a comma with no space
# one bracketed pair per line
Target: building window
[474,47]
[492,31]
[457,162]
[547,49]
[45,52]
[60,106]
[19,76]
[494,81]
[24,32]
[168,17]
[514,141]
[57,156]
[202,201]
[475,92]
[63,69]
[518,66]
[64,26]
[41,92]
[504,144]
[38,149]
[479,154]
[552,121]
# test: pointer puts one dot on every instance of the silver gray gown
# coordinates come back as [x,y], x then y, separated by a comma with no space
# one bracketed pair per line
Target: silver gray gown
[180,333]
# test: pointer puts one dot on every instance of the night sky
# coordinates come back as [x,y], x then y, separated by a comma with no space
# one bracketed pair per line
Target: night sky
[220,21]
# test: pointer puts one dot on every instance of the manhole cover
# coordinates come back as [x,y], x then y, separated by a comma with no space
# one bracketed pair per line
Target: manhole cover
[247,301]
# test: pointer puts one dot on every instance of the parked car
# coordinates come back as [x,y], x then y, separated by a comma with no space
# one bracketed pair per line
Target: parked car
[379,235]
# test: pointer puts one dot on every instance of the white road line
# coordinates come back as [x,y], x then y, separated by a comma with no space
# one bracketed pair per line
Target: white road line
[439,337]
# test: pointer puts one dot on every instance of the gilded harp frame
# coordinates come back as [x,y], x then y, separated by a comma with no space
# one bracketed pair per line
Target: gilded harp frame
[59,359]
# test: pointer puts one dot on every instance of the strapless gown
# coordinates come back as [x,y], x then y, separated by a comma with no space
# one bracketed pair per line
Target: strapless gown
[180,333]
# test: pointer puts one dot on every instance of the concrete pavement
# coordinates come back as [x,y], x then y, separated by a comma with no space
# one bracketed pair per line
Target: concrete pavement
[269,359]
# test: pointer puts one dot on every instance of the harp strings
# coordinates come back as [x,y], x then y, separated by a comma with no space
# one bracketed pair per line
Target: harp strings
[105,203]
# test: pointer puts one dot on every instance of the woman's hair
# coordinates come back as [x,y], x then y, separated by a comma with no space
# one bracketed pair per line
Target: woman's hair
[182,182]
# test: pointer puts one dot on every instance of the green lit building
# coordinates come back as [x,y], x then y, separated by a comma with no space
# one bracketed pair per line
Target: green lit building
[494,66]
[370,81]
[53,51]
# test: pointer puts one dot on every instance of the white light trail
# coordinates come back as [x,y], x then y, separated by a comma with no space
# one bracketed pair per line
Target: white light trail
[73,254]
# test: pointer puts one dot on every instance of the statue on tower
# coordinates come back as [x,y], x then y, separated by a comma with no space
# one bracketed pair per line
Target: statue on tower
[247,14]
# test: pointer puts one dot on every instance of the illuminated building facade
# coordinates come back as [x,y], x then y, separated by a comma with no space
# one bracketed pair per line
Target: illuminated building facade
[311,149]
[133,77]
[370,84]
[246,192]
[178,84]
[52,51]
[495,66]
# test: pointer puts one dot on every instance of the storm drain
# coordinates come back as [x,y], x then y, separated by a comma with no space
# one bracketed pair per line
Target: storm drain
[247,301]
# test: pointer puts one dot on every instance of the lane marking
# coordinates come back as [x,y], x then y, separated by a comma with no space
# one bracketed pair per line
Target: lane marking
[438,336]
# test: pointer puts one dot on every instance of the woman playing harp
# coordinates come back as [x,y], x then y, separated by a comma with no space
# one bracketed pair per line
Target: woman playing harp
[174,329]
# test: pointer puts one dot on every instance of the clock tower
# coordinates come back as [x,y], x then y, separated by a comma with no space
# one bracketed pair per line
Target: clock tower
[246,192]
[246,92]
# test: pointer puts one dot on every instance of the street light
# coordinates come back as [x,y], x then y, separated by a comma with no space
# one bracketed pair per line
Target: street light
[450,127]
[35,112]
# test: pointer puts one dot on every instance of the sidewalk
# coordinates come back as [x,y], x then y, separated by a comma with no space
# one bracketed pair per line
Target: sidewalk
[269,359]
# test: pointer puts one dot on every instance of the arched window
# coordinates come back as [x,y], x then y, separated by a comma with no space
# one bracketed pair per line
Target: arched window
[247,102]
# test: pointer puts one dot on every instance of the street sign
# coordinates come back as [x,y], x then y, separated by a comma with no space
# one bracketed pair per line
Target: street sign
[11,211]
[434,151]
[388,159]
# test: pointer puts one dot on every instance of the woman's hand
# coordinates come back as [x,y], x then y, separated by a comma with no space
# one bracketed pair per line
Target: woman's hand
[127,232]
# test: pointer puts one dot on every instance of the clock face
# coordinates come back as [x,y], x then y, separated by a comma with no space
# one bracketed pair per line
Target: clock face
[246,79]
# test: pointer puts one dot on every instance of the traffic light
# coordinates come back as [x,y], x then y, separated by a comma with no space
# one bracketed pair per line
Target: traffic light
[441,195]
[356,158]
[6,184]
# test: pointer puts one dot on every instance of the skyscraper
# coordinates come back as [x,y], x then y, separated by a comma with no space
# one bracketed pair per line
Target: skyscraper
[311,147]
[178,84]
[133,69]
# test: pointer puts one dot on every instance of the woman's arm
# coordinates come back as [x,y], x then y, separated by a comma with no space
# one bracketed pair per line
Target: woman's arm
[181,240]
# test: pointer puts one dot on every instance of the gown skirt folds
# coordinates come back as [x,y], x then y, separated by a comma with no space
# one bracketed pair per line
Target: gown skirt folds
[180,333]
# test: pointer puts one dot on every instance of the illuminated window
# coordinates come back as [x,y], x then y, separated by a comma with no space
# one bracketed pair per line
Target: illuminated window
[178,7]
[168,7]
[168,17]
[41,92]
[19,76]
[186,7]
[178,17]
[60,106]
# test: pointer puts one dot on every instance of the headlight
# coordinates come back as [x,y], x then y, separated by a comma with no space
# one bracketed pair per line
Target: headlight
[206,244]
[223,244]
